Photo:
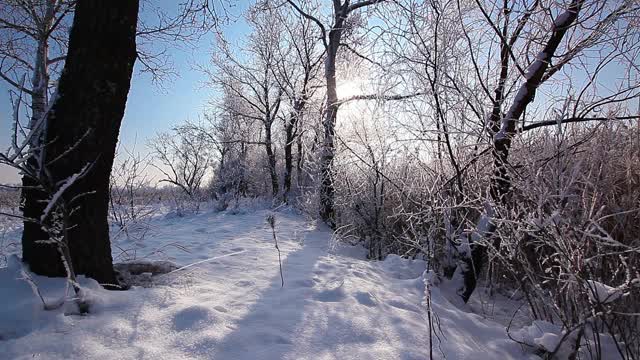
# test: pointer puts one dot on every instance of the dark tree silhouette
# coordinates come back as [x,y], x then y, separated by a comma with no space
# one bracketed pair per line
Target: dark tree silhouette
[82,129]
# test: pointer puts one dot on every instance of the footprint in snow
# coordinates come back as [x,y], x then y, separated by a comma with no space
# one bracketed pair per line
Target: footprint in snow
[359,274]
[244,283]
[270,338]
[331,295]
[323,266]
[305,283]
[366,299]
[403,305]
[193,318]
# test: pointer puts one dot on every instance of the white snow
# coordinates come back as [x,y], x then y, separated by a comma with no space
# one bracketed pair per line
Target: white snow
[603,293]
[563,19]
[541,334]
[467,335]
[535,67]
[226,301]
[56,196]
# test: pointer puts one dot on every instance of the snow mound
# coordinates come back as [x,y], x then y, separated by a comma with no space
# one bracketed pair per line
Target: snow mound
[22,310]
[403,269]
[541,335]
[602,293]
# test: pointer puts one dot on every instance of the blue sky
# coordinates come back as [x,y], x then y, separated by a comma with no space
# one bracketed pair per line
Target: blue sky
[151,109]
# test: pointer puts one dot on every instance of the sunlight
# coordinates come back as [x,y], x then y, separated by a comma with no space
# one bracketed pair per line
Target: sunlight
[349,88]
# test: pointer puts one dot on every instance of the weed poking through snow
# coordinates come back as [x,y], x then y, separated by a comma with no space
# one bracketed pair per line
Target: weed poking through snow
[271,220]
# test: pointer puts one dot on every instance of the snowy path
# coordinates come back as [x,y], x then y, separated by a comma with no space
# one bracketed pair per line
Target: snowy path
[334,305]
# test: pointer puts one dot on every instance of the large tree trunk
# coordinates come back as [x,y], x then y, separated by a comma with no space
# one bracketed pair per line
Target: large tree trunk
[299,160]
[288,155]
[85,117]
[342,9]
[327,189]
[291,132]
[271,158]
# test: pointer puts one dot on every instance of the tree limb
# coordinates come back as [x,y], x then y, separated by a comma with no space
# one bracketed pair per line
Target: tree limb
[575,120]
[380,97]
[312,18]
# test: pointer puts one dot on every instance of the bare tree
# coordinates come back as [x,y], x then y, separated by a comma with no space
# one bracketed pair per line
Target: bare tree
[228,135]
[249,77]
[470,88]
[185,159]
[538,71]
[297,71]
[174,27]
[33,42]
[129,189]
[331,37]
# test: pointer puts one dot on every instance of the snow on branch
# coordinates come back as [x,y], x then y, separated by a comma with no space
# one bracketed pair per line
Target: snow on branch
[380,97]
[535,71]
[58,194]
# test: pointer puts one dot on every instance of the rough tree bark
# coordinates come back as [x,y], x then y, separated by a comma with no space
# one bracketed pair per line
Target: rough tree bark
[289,137]
[85,117]
[291,133]
[271,158]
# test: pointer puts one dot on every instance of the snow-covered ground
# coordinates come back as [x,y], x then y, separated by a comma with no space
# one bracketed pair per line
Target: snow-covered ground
[230,303]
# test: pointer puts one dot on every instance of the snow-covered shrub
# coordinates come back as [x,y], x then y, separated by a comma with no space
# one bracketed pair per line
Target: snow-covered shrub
[9,204]
[570,238]
[567,236]
[132,200]
[9,199]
